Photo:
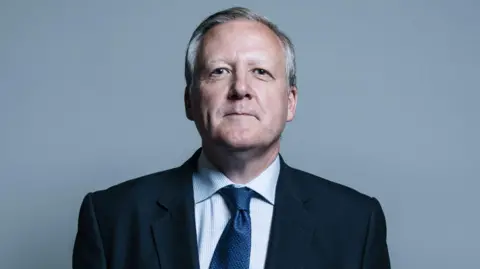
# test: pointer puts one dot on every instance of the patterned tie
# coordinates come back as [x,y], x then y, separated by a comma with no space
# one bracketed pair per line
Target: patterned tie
[233,248]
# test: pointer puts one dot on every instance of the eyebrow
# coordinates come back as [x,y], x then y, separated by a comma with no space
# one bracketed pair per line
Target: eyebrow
[217,60]
[250,62]
[258,61]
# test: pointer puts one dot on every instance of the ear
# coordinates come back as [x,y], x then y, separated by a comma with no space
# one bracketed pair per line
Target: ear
[292,103]
[188,104]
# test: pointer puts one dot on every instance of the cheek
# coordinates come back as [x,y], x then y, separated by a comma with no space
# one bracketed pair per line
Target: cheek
[207,105]
[274,105]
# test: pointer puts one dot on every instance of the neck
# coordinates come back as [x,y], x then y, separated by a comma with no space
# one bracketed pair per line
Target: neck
[241,166]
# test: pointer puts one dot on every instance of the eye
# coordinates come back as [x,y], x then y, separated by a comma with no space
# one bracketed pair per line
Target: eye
[219,71]
[261,72]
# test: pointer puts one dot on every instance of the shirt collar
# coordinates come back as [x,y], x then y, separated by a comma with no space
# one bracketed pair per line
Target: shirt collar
[207,180]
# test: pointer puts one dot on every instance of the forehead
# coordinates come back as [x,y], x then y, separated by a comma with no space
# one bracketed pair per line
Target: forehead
[242,39]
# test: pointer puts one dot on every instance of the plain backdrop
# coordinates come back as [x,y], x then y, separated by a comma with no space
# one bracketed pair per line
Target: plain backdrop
[91,94]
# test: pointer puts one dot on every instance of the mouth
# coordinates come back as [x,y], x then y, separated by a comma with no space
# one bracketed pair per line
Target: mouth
[239,114]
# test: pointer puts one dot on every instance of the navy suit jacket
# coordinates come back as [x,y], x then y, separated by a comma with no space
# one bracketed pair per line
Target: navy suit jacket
[149,223]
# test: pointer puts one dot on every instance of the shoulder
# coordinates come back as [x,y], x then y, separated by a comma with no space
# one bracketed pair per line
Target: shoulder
[344,218]
[323,193]
[137,193]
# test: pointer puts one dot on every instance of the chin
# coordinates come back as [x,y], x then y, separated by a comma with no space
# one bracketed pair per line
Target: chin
[238,144]
[241,139]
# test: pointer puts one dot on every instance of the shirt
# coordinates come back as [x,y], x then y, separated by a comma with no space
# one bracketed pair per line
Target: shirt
[212,214]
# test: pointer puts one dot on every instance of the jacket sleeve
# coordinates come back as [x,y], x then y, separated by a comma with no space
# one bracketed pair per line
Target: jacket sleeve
[376,254]
[88,250]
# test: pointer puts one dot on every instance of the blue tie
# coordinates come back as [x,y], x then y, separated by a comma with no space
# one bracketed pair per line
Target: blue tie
[233,248]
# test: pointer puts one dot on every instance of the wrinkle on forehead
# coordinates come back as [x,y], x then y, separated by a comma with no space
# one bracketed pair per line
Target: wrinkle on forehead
[242,40]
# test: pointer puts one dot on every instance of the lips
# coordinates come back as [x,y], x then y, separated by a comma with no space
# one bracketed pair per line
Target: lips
[240,114]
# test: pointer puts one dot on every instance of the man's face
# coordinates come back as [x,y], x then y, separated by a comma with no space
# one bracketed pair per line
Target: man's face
[242,99]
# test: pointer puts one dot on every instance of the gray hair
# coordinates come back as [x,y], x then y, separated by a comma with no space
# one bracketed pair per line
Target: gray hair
[223,16]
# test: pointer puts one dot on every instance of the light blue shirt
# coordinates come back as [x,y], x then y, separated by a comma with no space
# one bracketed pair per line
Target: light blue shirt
[212,214]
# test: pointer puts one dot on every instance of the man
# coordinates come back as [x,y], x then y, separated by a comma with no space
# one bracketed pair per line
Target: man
[235,203]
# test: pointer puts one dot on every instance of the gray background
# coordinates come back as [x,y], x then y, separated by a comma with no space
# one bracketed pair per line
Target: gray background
[91,95]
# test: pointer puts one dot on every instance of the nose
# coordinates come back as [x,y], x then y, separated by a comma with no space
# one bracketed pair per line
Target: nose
[240,87]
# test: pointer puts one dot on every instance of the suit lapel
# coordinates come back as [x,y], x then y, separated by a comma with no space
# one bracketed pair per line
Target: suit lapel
[174,230]
[292,228]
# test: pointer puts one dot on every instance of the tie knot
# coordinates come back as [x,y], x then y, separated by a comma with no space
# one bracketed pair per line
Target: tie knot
[237,198]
